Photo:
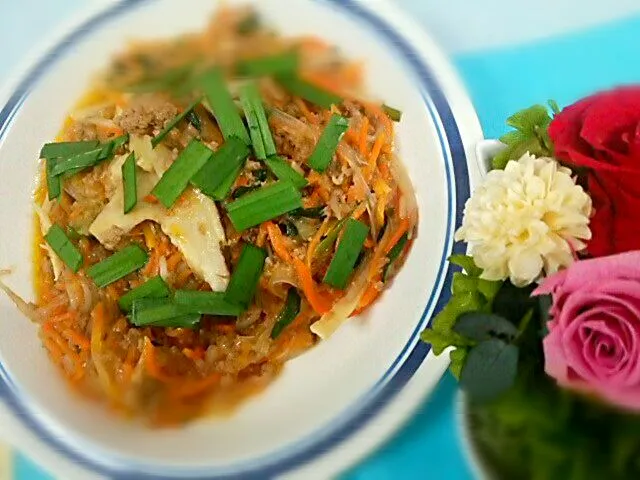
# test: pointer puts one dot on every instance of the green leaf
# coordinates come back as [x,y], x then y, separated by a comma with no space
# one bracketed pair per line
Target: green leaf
[490,370]
[489,288]
[480,326]
[439,341]
[513,303]
[463,283]
[513,137]
[526,120]
[458,358]
[553,105]
[466,263]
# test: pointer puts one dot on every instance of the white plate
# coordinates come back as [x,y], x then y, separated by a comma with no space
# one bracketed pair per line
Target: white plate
[333,404]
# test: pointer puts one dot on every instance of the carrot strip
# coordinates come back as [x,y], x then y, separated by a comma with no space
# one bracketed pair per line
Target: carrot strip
[150,198]
[193,388]
[315,241]
[319,302]
[173,261]
[149,235]
[370,295]
[397,235]
[362,141]
[373,156]
[262,234]
[278,242]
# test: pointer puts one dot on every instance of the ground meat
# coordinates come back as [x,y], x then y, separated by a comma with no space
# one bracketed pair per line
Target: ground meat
[146,113]
[82,131]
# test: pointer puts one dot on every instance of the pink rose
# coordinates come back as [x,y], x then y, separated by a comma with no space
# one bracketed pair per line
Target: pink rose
[593,343]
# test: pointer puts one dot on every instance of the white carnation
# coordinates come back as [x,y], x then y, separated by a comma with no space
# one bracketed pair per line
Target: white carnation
[526,221]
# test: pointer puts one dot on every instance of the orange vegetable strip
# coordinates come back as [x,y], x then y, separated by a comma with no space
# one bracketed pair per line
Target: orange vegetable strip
[364,132]
[315,241]
[319,302]
[373,156]
[278,242]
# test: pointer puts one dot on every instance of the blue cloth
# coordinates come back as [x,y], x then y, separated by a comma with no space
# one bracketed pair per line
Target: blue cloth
[500,82]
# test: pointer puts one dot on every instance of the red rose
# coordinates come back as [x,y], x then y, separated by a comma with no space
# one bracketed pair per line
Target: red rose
[602,134]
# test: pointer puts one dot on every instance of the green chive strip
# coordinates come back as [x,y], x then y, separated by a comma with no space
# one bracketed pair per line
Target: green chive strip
[344,260]
[155,141]
[77,162]
[223,106]
[284,171]
[176,179]
[312,212]
[246,276]
[259,131]
[309,92]
[67,251]
[280,64]
[67,149]
[206,303]
[221,170]
[264,204]
[288,313]
[328,142]
[129,183]
[54,185]
[118,265]
[153,288]
[160,312]
[394,114]
[393,255]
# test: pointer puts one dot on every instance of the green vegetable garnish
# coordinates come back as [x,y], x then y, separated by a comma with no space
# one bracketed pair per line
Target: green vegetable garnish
[393,255]
[288,314]
[344,260]
[155,141]
[77,162]
[54,184]
[129,183]
[264,204]
[394,114]
[118,265]
[160,312]
[259,131]
[206,303]
[309,92]
[246,276]
[153,288]
[284,171]
[313,212]
[240,191]
[67,251]
[221,170]
[193,118]
[328,142]
[284,63]
[223,106]
[176,179]
[67,149]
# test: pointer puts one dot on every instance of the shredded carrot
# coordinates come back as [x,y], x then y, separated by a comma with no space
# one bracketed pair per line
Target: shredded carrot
[154,263]
[368,242]
[150,198]
[183,277]
[262,234]
[351,136]
[382,117]
[383,168]
[370,295]
[77,338]
[149,235]
[315,241]
[302,106]
[397,235]
[364,133]
[320,302]
[173,261]
[278,242]
[105,131]
[373,156]
[184,390]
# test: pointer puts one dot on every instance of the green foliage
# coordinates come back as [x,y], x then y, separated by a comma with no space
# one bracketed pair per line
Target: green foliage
[530,134]
[470,293]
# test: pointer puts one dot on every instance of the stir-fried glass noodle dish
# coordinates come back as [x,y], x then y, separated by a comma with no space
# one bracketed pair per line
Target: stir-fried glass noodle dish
[214,205]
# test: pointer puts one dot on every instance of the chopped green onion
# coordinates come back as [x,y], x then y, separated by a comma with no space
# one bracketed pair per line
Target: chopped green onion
[54,184]
[73,234]
[327,242]
[284,63]
[166,81]
[393,113]
[118,265]
[240,191]
[264,204]
[194,119]
[393,255]
[160,312]
[155,141]
[313,212]
[153,288]
[176,179]
[206,303]
[119,141]
[308,91]
[77,162]
[328,142]
[281,169]
[223,106]
[257,120]
[288,313]
[344,260]
[129,183]
[249,24]
[288,228]
[67,251]
[246,276]
[220,171]
[67,149]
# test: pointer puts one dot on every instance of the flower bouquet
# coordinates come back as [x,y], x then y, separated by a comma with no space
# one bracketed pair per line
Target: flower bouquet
[543,324]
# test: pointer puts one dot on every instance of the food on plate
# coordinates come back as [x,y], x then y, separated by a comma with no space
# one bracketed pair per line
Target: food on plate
[213,206]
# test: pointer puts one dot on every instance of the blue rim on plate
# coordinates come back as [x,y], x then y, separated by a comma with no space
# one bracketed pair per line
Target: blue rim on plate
[407,362]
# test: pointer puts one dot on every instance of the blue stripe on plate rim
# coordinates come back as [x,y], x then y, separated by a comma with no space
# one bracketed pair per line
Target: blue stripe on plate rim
[407,362]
